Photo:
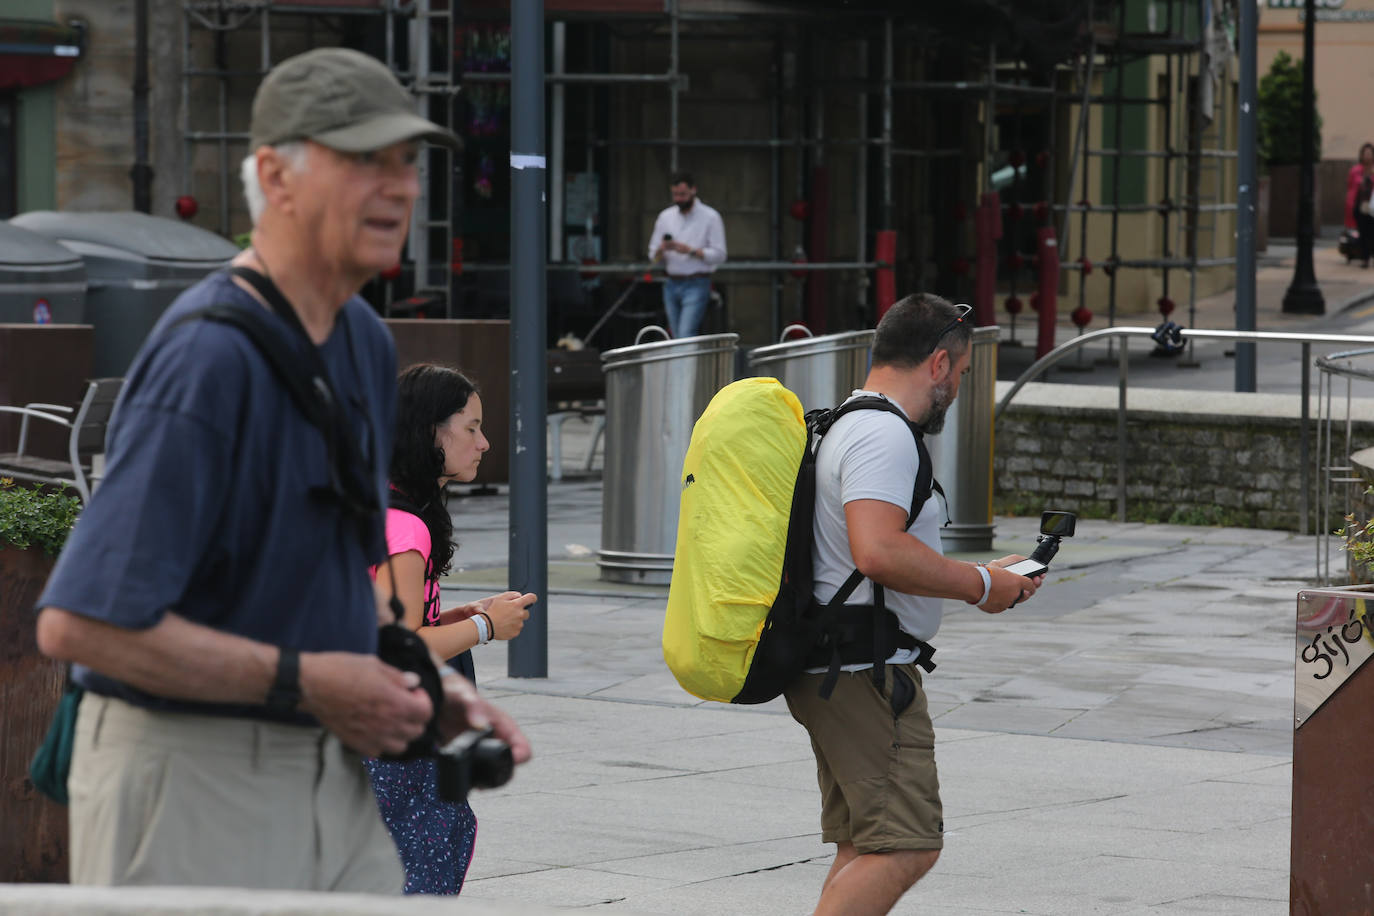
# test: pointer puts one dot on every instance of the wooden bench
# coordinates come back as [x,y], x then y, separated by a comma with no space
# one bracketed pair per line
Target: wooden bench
[82,468]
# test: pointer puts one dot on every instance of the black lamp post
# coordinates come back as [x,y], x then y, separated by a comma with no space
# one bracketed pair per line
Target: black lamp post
[528,655]
[1304,296]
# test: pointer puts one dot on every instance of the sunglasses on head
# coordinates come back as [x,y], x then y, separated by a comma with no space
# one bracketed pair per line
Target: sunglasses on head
[962,312]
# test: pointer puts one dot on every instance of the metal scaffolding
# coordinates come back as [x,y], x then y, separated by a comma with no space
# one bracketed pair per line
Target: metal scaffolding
[417,39]
[934,126]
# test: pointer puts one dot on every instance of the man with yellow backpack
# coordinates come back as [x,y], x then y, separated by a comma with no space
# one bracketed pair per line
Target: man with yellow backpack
[808,564]
[873,738]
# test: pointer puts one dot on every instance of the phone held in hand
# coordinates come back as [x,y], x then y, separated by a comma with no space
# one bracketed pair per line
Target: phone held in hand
[1028,568]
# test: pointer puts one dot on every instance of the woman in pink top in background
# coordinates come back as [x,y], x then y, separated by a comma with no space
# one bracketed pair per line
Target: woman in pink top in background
[438,439]
[1357,195]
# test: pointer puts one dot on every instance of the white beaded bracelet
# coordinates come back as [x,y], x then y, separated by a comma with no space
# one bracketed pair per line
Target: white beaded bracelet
[987,584]
[483,637]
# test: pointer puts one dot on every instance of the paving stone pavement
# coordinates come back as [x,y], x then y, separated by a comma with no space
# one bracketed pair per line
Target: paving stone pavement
[1119,745]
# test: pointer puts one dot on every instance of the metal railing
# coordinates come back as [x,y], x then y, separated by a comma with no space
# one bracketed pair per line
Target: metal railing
[1344,473]
[1058,354]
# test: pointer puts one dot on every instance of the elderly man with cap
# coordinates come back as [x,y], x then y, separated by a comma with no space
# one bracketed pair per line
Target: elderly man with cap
[214,598]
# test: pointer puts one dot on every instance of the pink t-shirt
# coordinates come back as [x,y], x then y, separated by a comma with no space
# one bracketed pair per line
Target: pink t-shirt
[406,531]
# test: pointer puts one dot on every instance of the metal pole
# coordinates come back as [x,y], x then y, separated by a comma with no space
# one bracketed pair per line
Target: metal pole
[528,655]
[1304,435]
[989,116]
[1118,110]
[1167,162]
[1323,434]
[675,86]
[861,186]
[1247,193]
[775,188]
[557,122]
[1080,143]
[187,147]
[887,124]
[1304,296]
[142,172]
[420,213]
[1123,365]
[222,64]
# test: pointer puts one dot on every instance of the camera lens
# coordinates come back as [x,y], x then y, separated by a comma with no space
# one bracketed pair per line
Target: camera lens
[492,764]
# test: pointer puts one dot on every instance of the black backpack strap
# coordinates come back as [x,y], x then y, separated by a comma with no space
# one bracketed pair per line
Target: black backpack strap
[337,436]
[820,422]
[879,669]
[283,359]
[925,474]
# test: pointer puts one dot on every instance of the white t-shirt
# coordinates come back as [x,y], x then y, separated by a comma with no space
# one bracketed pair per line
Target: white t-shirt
[871,454]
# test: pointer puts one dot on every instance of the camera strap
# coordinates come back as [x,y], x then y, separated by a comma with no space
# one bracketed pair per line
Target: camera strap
[303,374]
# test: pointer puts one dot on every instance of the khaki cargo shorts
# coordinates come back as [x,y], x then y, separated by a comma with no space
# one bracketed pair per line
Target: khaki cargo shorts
[875,759]
[161,798]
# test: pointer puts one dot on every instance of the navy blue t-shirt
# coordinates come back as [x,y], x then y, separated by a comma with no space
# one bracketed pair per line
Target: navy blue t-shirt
[205,508]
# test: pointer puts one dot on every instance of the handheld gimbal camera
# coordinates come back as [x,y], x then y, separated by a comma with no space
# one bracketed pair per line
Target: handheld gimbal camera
[1055,525]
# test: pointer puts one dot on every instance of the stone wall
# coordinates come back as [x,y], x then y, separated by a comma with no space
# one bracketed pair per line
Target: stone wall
[1216,458]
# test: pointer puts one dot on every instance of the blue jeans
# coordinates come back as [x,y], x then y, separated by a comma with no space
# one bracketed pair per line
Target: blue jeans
[685,302]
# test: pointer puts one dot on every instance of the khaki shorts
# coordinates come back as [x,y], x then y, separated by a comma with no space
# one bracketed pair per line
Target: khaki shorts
[163,798]
[879,788]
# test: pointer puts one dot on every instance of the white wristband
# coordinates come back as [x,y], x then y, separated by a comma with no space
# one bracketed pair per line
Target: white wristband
[483,637]
[987,584]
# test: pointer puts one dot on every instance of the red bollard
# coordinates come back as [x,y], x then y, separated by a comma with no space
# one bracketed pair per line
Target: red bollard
[987,228]
[885,283]
[1047,247]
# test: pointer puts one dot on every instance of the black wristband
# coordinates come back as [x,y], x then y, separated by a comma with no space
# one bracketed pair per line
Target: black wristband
[285,694]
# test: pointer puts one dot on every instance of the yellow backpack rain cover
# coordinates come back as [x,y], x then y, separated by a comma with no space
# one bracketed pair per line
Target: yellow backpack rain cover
[737,485]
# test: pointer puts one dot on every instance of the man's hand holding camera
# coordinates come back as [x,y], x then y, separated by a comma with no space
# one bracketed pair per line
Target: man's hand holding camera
[378,709]
[372,707]
[1009,576]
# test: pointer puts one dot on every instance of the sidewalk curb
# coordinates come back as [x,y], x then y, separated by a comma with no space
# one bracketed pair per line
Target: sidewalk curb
[1355,301]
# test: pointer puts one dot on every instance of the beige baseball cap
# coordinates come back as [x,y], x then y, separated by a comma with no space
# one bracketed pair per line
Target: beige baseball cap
[341,99]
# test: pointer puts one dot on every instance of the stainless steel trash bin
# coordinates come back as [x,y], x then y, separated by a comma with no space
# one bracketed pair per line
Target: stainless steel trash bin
[820,371]
[136,265]
[962,453]
[41,282]
[654,394]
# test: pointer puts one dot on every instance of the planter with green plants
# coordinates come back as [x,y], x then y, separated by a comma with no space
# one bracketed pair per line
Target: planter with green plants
[34,525]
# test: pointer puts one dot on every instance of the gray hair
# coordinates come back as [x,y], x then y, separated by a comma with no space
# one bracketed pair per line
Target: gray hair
[294,153]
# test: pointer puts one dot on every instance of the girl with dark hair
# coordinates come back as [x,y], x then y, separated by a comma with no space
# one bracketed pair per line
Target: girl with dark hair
[438,439]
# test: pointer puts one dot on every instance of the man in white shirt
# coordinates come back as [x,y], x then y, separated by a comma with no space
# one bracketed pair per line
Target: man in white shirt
[690,238]
[873,738]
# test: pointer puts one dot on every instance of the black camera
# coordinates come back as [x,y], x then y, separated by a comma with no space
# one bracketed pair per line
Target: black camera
[1055,525]
[473,760]
[667,237]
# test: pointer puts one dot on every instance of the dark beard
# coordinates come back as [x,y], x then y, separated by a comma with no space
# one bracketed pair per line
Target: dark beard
[934,420]
[686,205]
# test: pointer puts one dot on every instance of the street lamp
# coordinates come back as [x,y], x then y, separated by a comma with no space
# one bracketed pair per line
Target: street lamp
[1304,296]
